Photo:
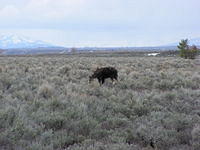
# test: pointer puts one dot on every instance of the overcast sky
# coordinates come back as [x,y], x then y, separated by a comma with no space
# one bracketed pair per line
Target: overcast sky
[102,22]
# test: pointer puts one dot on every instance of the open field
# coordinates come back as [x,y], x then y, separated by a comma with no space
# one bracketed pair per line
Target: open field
[46,103]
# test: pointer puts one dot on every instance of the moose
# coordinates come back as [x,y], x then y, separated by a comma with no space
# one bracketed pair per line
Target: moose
[102,73]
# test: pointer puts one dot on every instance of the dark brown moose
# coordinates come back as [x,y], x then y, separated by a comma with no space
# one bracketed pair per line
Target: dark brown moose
[102,73]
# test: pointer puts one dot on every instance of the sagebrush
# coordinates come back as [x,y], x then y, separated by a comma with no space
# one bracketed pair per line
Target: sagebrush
[47,103]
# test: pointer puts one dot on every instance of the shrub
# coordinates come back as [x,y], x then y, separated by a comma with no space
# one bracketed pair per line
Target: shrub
[51,106]
[5,82]
[64,70]
[95,145]
[196,137]
[186,51]
[45,90]
[192,52]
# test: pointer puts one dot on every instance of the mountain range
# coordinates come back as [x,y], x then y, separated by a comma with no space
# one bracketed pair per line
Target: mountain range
[195,41]
[16,42]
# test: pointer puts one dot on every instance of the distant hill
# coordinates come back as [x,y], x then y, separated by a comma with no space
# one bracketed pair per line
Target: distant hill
[28,51]
[1,51]
[195,41]
[20,45]
[16,42]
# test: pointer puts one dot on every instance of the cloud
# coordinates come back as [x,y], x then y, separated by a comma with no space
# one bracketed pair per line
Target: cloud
[111,13]
[51,9]
[9,11]
[86,12]
[112,20]
[41,11]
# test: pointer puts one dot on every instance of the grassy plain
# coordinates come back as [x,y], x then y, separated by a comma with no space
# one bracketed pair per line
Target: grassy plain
[46,103]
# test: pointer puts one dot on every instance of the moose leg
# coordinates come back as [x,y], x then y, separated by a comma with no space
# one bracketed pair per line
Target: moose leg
[113,82]
[112,79]
[103,80]
[99,81]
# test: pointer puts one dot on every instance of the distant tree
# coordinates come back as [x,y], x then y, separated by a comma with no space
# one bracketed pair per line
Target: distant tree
[73,50]
[183,48]
[186,51]
[193,51]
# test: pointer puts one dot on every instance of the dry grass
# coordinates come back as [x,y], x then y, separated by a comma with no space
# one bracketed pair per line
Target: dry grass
[47,103]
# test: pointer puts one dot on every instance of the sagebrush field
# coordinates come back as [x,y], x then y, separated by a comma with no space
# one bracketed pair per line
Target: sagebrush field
[46,103]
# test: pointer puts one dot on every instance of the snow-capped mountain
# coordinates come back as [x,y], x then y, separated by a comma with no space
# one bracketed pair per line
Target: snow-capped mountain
[195,41]
[15,42]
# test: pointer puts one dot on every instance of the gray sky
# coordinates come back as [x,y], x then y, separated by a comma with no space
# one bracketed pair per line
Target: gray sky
[102,22]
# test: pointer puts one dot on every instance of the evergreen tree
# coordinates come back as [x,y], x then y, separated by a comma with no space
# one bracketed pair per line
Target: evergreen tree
[184,48]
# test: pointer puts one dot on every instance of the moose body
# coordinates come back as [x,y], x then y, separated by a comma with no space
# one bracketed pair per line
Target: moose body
[102,73]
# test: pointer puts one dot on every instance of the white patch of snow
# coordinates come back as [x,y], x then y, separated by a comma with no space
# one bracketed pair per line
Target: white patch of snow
[15,39]
[153,54]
